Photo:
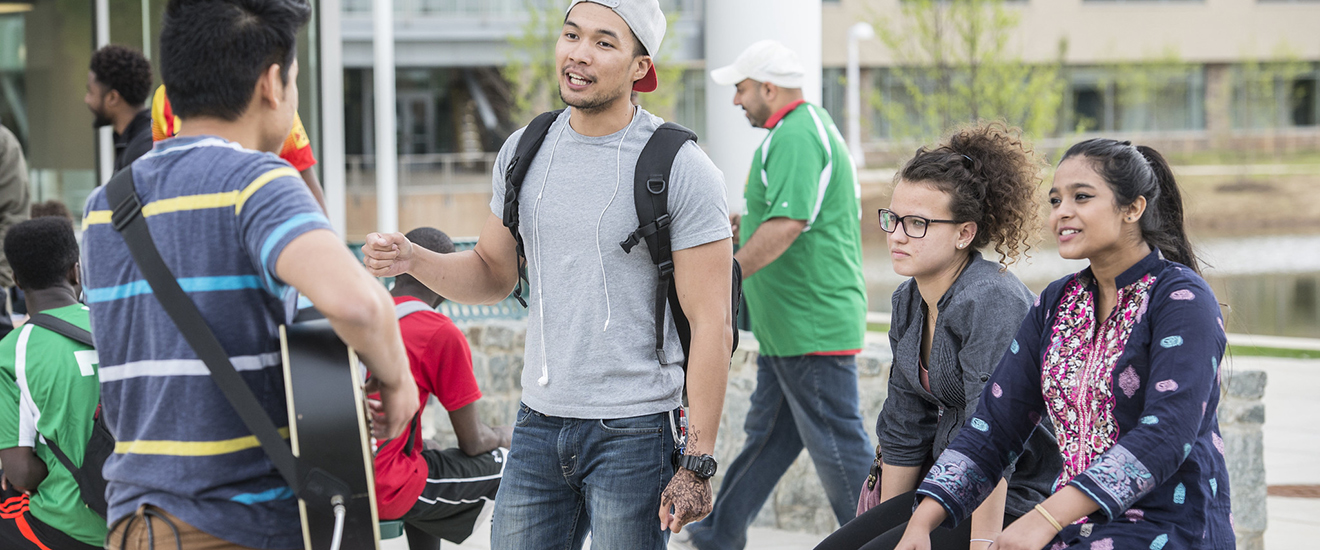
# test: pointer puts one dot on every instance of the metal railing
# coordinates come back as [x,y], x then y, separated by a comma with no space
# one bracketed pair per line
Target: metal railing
[425,169]
[489,8]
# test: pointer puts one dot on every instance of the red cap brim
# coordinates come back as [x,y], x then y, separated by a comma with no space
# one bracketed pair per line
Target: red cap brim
[648,83]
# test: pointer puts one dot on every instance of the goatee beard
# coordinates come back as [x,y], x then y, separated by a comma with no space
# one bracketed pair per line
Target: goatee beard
[99,120]
[588,105]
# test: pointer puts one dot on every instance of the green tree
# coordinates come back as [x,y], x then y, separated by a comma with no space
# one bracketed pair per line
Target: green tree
[952,64]
[533,78]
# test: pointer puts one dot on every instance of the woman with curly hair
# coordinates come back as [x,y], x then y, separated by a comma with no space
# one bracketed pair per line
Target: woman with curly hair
[952,321]
[1123,357]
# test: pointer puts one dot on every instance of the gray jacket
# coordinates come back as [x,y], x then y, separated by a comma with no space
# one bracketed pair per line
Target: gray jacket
[13,195]
[979,315]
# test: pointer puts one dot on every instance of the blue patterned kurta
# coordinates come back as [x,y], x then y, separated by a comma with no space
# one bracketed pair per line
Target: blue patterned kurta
[1133,400]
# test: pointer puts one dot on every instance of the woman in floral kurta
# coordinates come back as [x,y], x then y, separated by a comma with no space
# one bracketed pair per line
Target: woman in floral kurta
[1124,357]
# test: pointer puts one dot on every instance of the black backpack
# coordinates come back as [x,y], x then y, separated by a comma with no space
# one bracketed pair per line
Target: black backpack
[91,484]
[651,198]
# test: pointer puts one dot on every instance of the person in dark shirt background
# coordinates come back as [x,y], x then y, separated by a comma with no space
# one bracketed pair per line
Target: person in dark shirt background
[118,85]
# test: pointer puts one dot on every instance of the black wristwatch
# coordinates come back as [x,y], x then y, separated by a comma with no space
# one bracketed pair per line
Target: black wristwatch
[703,466]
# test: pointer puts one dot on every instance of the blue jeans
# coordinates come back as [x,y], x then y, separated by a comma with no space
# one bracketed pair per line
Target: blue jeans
[804,400]
[567,477]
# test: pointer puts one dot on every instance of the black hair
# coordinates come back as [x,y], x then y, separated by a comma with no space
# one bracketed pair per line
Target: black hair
[41,251]
[124,70]
[991,177]
[431,239]
[1139,171]
[214,51]
[52,207]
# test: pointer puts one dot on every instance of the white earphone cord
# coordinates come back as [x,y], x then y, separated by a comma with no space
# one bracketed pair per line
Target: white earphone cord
[536,236]
[600,254]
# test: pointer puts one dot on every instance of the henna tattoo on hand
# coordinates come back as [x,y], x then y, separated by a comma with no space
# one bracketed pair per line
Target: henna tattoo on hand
[689,495]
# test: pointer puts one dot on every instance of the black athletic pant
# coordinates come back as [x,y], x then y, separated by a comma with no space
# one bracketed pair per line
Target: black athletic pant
[460,490]
[20,531]
[881,528]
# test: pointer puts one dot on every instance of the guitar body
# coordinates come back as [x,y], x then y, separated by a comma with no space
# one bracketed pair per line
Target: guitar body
[328,430]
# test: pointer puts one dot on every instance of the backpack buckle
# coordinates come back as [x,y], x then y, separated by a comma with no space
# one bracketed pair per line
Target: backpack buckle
[663,222]
[125,212]
[666,268]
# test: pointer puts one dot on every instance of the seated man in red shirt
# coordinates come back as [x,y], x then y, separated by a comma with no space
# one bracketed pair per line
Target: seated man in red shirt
[442,493]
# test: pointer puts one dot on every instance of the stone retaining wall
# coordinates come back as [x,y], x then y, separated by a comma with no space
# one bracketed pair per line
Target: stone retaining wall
[798,502]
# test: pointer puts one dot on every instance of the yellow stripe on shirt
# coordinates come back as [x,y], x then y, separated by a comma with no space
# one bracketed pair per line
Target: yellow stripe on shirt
[191,448]
[226,199]
[260,182]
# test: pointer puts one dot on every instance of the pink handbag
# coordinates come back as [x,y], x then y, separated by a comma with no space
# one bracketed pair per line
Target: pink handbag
[870,495]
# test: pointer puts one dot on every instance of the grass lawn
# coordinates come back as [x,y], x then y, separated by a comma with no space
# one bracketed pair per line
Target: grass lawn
[1258,351]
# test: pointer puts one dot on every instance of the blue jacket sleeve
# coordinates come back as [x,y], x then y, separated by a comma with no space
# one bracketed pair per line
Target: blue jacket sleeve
[1187,343]
[1008,412]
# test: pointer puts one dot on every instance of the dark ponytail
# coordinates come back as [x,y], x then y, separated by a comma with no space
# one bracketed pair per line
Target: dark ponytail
[1140,171]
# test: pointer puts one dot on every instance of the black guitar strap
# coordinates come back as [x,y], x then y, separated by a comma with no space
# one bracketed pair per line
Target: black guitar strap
[128,220]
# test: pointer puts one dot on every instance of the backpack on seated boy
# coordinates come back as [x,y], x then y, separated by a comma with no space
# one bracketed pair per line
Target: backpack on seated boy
[91,484]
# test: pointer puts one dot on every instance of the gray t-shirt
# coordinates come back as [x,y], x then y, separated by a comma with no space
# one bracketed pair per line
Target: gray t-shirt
[591,308]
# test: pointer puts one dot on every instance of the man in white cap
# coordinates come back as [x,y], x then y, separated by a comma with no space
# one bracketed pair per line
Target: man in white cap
[801,257]
[593,444]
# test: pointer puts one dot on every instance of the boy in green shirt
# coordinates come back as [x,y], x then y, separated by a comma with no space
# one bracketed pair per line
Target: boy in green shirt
[48,388]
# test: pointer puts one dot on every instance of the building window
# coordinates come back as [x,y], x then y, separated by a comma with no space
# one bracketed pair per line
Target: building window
[690,107]
[1142,98]
[1276,95]
[834,88]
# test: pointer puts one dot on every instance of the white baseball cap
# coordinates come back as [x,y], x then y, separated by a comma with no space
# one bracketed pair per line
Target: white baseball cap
[764,61]
[647,22]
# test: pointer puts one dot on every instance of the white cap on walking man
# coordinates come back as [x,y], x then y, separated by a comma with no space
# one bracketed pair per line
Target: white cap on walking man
[648,25]
[765,61]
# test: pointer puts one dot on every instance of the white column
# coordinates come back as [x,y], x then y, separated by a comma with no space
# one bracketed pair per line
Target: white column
[387,157]
[332,116]
[105,140]
[731,26]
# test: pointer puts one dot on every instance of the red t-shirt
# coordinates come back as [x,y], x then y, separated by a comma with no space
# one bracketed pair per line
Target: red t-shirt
[442,365]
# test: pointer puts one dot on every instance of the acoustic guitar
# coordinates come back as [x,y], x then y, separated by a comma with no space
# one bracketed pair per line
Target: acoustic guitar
[328,430]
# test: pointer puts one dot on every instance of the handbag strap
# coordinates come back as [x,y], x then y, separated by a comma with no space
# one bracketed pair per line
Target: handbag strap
[128,220]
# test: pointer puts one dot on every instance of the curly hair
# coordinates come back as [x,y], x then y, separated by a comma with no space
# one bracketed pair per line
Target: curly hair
[124,70]
[991,176]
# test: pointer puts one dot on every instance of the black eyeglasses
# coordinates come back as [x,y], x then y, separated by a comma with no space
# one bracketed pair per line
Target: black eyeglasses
[913,226]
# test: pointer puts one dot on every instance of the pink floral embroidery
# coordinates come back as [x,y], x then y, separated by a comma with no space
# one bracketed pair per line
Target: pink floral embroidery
[1135,514]
[1141,312]
[1183,294]
[1166,385]
[1218,441]
[996,391]
[1078,370]
[1103,544]
[1129,381]
[1038,300]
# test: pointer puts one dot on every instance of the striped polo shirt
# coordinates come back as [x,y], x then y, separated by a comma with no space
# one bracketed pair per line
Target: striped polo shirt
[220,216]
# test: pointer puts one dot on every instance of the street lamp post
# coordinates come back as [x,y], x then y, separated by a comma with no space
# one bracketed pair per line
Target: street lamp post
[860,30]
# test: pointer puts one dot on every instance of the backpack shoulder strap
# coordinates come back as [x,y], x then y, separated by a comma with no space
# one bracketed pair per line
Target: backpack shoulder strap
[408,308]
[63,328]
[128,219]
[528,145]
[651,180]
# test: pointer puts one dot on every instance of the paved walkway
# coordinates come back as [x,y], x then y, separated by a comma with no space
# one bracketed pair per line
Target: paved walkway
[1292,449]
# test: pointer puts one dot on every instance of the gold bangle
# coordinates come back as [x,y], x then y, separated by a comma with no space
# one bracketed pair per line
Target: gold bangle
[1053,522]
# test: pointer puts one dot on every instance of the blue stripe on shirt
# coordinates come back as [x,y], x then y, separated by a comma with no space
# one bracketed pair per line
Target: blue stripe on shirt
[281,493]
[274,238]
[189,284]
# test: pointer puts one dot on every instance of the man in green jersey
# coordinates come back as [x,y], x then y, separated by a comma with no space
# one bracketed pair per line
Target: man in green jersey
[48,389]
[801,258]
